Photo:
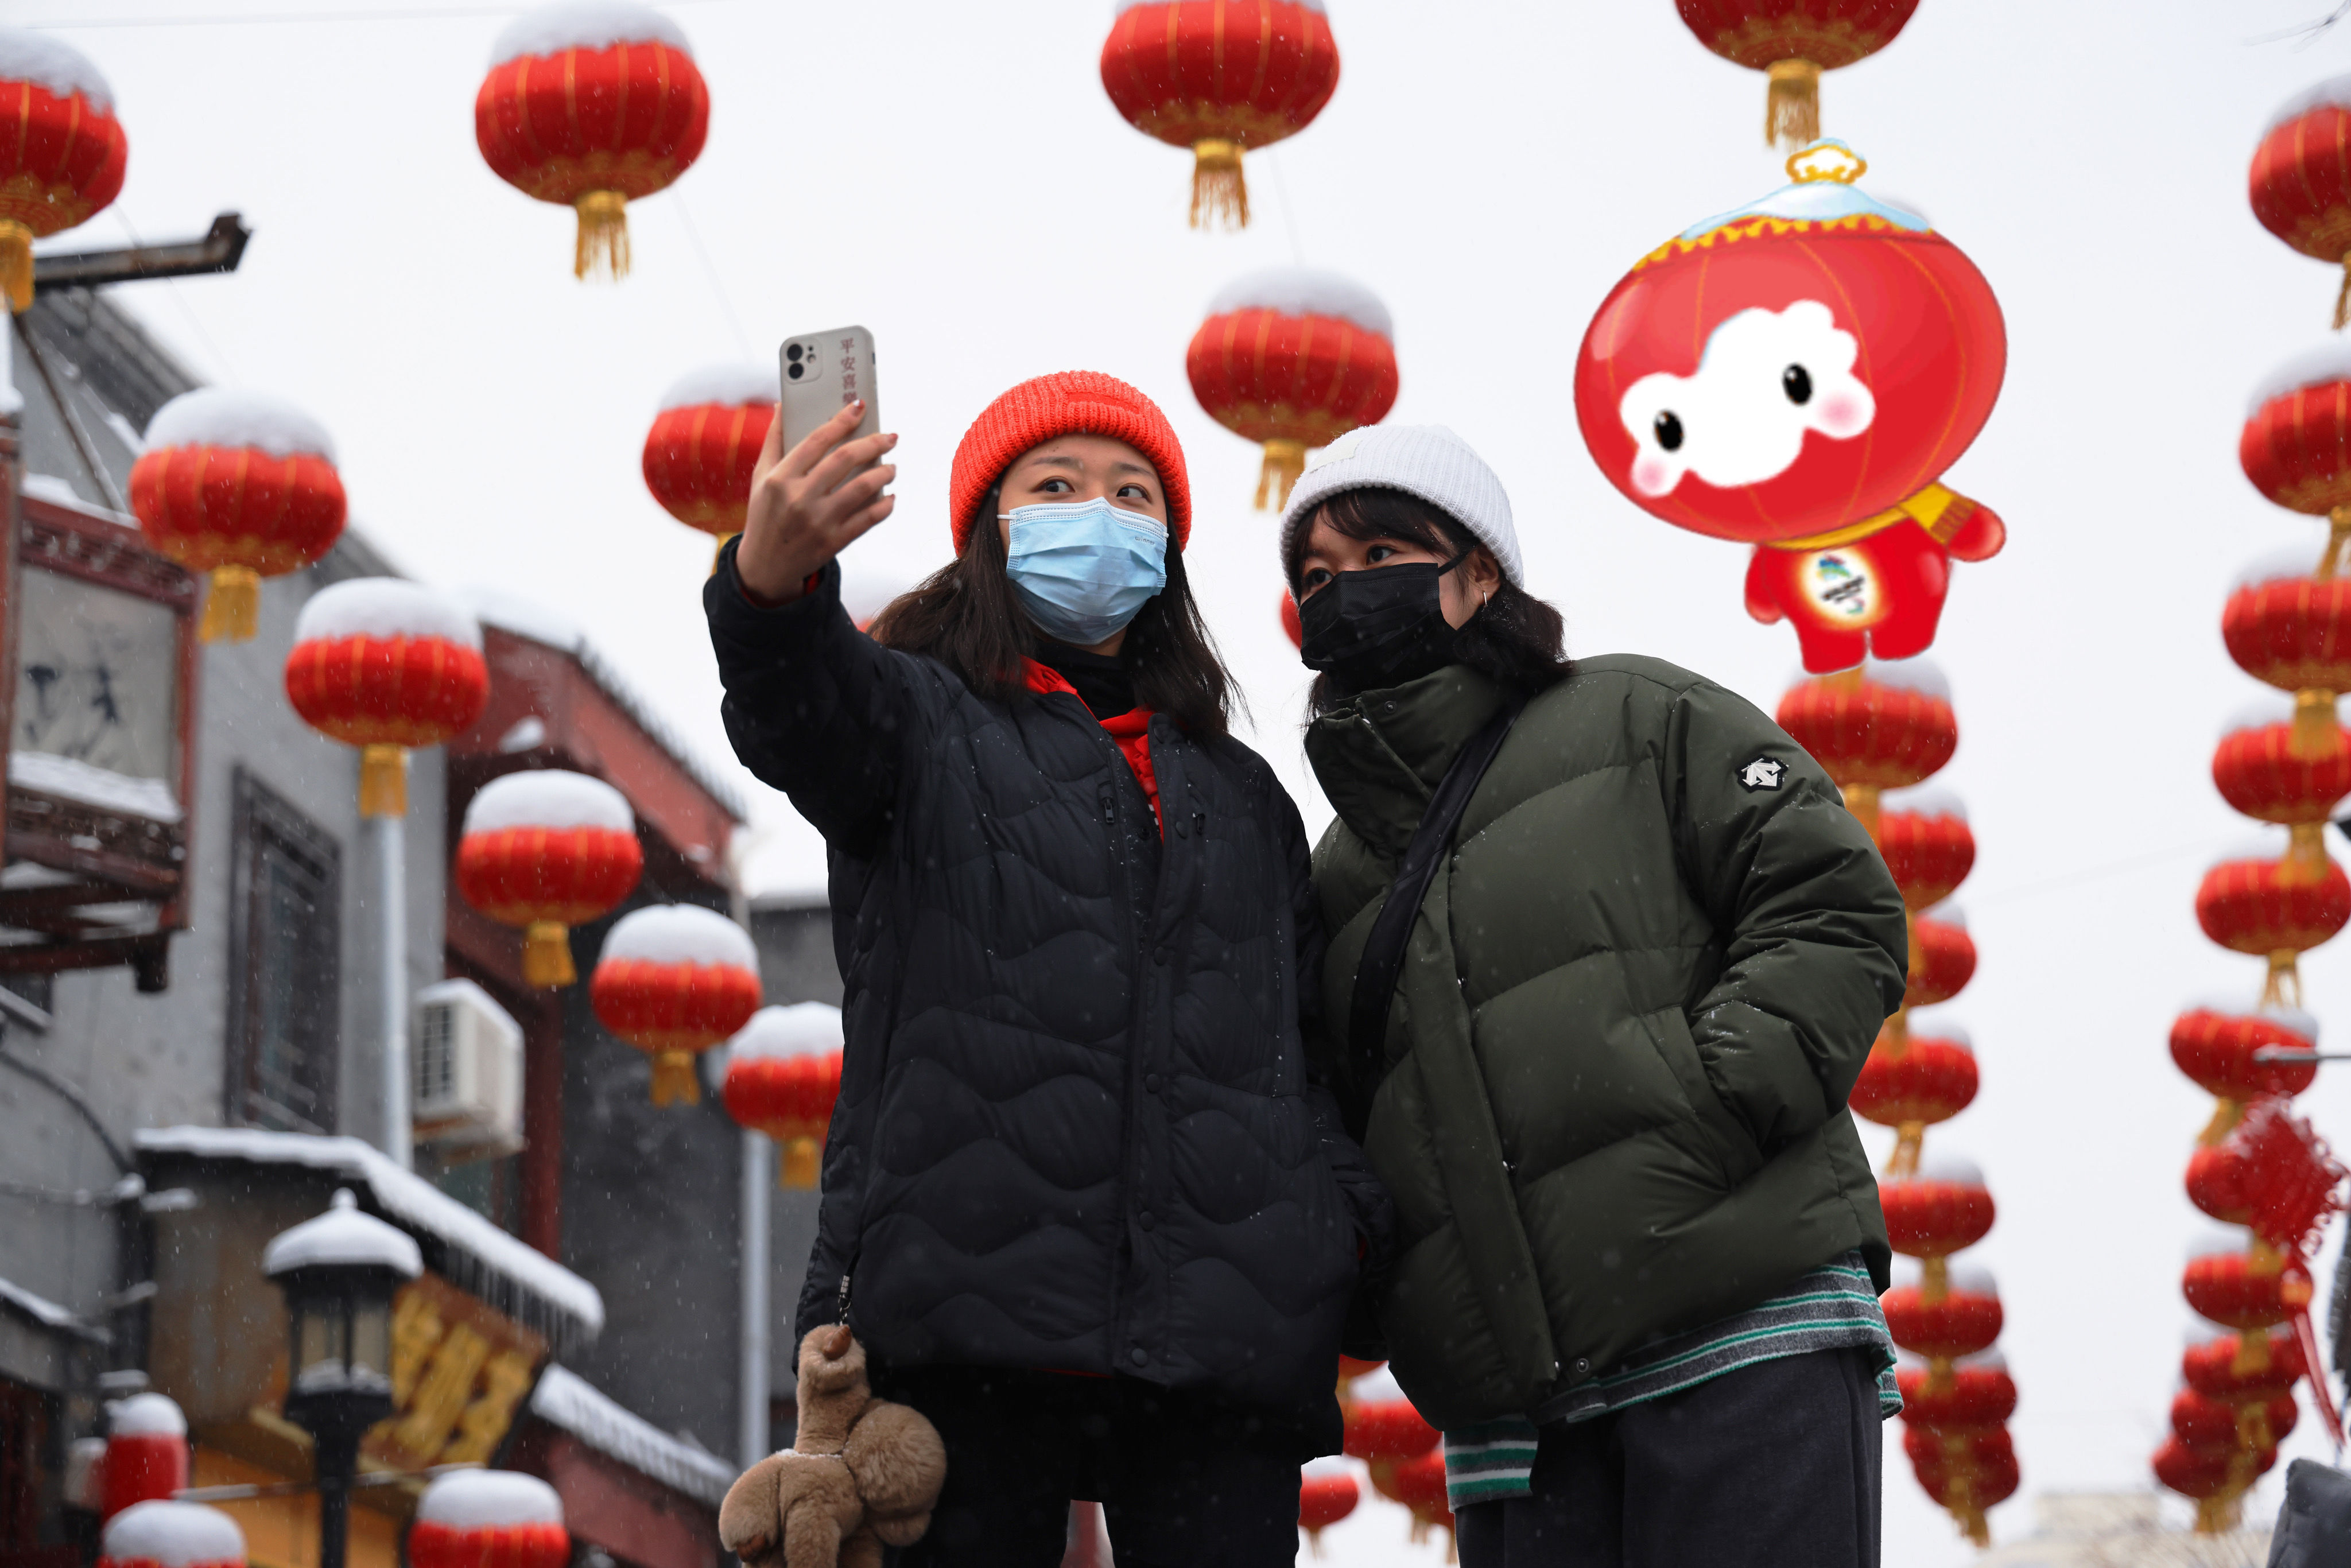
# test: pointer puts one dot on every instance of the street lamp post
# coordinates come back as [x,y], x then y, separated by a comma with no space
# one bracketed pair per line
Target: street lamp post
[338,1271]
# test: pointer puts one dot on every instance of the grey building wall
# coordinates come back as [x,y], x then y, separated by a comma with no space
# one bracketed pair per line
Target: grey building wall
[794,936]
[161,1060]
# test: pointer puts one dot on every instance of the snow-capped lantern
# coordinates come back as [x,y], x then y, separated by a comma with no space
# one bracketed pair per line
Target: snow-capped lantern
[1942,958]
[1798,374]
[165,1534]
[1941,1209]
[386,665]
[146,1453]
[1964,1319]
[1924,838]
[1294,358]
[2240,1283]
[591,104]
[1220,77]
[1327,1493]
[1975,1391]
[2289,626]
[2270,906]
[1382,1427]
[1418,1483]
[62,161]
[2200,1421]
[673,980]
[2299,182]
[1791,42]
[2241,1368]
[2268,768]
[1911,1080]
[1982,1474]
[240,485]
[2214,1477]
[2231,1054]
[488,1519]
[704,440]
[1885,726]
[783,1074]
[546,850]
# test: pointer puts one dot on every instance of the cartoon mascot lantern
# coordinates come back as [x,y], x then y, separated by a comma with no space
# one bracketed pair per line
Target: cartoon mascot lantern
[1799,374]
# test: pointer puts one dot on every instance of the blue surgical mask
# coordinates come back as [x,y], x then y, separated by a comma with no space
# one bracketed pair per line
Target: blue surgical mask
[1083,569]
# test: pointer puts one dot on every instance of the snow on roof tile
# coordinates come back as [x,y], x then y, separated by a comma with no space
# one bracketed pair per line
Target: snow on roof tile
[565,1399]
[522,617]
[48,1314]
[501,1269]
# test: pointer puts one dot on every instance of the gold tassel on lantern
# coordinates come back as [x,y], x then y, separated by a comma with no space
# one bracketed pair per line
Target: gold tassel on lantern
[383,781]
[1285,460]
[2342,297]
[2315,733]
[231,607]
[1791,104]
[803,1160]
[547,955]
[674,1080]
[16,264]
[603,242]
[1218,191]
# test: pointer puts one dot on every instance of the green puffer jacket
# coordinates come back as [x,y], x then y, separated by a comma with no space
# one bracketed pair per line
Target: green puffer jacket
[1612,1101]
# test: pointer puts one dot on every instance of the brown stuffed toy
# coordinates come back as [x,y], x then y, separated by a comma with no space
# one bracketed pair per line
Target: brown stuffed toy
[861,1474]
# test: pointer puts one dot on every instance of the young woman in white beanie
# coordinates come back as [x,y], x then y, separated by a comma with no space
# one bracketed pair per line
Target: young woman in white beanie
[1607,953]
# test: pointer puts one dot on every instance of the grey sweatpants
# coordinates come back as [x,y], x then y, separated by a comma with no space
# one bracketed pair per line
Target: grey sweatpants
[1773,1465]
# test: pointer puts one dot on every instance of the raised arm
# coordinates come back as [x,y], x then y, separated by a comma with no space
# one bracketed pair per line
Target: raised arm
[1814,942]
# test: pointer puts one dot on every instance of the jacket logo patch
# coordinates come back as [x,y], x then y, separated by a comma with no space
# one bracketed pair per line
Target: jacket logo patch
[1763,773]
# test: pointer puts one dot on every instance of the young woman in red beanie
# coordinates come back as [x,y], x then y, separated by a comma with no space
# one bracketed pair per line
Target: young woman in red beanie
[1087,1200]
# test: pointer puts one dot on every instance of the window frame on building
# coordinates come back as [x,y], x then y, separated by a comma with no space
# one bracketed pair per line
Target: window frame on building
[270,829]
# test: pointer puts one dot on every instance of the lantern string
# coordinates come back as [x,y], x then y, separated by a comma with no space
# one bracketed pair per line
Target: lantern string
[710,274]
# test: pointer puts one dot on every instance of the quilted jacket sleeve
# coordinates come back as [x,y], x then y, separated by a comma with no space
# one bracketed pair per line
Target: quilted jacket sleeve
[1367,1199]
[1814,946]
[813,707]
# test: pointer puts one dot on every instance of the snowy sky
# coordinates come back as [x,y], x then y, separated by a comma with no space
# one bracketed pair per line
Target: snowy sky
[952,176]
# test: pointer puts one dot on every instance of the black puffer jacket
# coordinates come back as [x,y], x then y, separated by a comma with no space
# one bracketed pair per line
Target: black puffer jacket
[1079,1128]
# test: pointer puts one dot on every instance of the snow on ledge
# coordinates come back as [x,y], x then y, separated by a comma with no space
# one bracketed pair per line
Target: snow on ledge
[48,1314]
[108,790]
[477,1254]
[565,1399]
[585,24]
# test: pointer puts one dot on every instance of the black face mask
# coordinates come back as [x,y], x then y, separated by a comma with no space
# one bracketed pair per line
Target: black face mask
[1380,627]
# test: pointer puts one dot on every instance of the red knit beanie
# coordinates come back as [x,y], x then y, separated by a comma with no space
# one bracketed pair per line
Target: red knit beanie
[1069,402]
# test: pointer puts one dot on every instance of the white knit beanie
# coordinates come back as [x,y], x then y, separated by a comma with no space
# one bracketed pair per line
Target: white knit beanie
[1423,460]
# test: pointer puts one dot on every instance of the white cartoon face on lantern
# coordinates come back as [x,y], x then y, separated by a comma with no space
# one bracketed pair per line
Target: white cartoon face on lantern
[1766,377]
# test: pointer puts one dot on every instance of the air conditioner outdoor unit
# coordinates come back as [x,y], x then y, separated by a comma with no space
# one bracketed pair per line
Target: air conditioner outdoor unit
[466,1082]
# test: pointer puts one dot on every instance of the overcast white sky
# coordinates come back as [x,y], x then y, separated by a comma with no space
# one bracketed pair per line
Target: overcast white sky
[952,176]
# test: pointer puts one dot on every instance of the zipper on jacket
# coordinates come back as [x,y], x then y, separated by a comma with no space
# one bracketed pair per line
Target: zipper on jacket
[843,1319]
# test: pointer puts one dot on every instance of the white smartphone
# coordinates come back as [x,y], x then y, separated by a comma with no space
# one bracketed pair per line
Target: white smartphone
[823,371]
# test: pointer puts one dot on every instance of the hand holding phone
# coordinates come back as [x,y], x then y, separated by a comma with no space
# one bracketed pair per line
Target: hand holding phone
[818,483]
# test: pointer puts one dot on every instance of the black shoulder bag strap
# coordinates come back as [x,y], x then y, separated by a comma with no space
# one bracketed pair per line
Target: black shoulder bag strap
[1382,960]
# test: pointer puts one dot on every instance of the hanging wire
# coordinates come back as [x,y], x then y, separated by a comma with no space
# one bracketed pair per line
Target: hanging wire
[710,274]
[172,286]
[1290,213]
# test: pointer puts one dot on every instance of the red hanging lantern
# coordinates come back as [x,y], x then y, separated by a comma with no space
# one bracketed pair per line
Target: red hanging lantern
[2240,1289]
[2216,1478]
[2276,772]
[2200,1421]
[783,1074]
[1985,1478]
[62,155]
[1419,1484]
[1924,836]
[1976,1392]
[1962,1321]
[546,850]
[2275,909]
[488,1519]
[146,1453]
[1291,627]
[2241,1368]
[1382,1427]
[1884,726]
[2300,182]
[1929,1215]
[2290,626]
[1220,76]
[385,666]
[1911,1082]
[591,107]
[1943,958]
[1791,42]
[1798,374]
[166,1534]
[1294,358]
[240,485]
[1326,1494]
[1928,1448]
[703,442]
[2221,1048]
[673,980]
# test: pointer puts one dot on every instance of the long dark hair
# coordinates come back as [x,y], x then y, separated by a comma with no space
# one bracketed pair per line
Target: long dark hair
[966,616]
[1516,638]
